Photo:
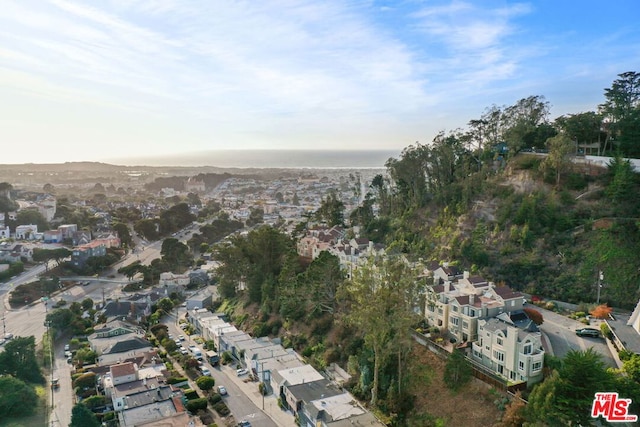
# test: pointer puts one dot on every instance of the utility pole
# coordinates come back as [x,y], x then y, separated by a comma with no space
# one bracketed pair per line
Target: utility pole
[600,279]
[263,388]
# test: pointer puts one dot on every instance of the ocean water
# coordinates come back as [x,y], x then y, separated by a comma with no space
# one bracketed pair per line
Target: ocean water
[290,159]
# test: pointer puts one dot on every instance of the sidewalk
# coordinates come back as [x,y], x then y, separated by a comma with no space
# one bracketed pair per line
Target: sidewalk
[250,389]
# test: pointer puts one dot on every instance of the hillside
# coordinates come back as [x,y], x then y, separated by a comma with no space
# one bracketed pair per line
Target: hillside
[534,235]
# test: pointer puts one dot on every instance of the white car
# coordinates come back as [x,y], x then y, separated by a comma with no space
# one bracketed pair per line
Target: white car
[184,351]
[66,347]
[206,371]
[241,372]
[181,337]
[222,391]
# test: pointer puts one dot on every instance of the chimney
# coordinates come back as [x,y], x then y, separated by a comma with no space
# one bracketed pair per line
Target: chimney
[465,275]
[447,286]
[472,299]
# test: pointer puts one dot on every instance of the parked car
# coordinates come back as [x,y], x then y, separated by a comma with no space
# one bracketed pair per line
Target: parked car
[244,423]
[55,383]
[2,341]
[181,337]
[588,332]
[66,347]
[206,371]
[222,391]
[241,372]
[8,336]
[184,351]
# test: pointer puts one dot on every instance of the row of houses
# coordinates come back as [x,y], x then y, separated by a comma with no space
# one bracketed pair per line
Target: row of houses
[488,319]
[350,252]
[317,400]
[134,379]
[130,373]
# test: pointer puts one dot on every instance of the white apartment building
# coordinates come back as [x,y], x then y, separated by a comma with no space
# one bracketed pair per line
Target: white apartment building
[513,352]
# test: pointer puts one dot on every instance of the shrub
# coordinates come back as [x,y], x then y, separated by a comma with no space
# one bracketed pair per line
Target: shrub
[222,409]
[194,405]
[214,398]
[175,380]
[191,394]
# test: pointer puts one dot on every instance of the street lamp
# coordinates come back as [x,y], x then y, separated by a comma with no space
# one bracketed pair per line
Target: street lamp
[600,279]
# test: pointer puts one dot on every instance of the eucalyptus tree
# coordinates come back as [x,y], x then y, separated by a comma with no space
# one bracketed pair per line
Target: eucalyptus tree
[522,120]
[622,112]
[381,296]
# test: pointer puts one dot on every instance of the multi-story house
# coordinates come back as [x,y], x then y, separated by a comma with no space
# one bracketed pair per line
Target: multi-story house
[81,254]
[511,346]
[457,306]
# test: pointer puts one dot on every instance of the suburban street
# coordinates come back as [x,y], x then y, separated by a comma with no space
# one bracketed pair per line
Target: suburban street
[243,399]
[241,406]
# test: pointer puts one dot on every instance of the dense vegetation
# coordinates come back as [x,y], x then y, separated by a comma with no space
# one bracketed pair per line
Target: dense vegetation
[484,198]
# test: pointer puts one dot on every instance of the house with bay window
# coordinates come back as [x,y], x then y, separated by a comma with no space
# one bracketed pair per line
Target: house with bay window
[511,346]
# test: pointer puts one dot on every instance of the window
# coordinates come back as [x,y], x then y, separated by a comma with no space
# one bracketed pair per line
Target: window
[500,369]
[472,313]
[512,375]
[521,365]
[499,341]
[432,308]
[498,355]
[455,308]
[487,348]
[536,366]
[440,311]
[527,348]
[454,321]
[465,325]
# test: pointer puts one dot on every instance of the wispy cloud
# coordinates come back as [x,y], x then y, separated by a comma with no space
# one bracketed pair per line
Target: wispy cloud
[277,70]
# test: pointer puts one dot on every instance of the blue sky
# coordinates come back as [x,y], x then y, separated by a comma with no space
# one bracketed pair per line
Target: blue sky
[94,80]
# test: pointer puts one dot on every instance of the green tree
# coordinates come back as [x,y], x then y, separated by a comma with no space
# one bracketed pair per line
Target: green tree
[123,233]
[320,283]
[621,110]
[19,359]
[165,304]
[331,210]
[565,398]
[205,383]
[147,228]
[584,128]
[521,121]
[458,371]
[32,216]
[81,416]
[176,254]
[631,367]
[16,398]
[382,296]
[558,160]
[60,318]
[623,185]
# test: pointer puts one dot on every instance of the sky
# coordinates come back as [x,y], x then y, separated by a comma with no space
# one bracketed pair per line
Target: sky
[98,80]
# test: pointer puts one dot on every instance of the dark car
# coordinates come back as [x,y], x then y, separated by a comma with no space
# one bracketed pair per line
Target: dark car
[588,332]
[244,423]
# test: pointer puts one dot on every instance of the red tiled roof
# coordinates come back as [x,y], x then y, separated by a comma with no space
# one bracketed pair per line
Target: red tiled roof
[123,369]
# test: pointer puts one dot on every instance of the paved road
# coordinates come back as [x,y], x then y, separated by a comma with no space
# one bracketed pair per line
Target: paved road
[241,406]
[562,336]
